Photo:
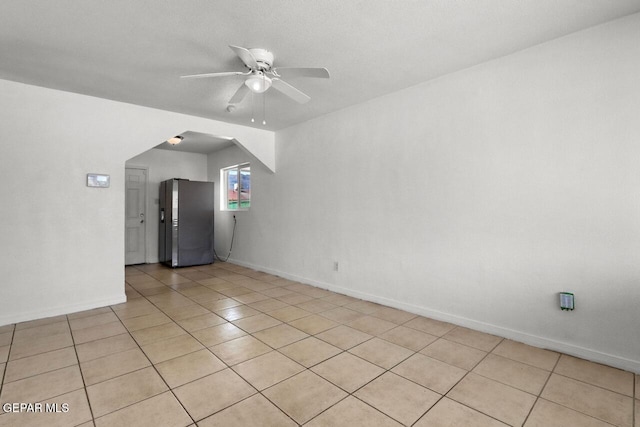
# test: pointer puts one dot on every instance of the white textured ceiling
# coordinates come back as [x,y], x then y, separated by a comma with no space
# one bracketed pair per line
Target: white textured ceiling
[134,50]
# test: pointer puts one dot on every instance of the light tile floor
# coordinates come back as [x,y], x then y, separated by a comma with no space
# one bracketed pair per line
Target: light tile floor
[223,345]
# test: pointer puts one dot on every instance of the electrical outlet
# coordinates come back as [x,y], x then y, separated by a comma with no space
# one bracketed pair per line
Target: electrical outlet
[335,266]
[567,301]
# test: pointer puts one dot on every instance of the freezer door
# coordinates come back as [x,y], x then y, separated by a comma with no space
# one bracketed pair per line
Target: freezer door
[173,194]
[162,223]
[168,225]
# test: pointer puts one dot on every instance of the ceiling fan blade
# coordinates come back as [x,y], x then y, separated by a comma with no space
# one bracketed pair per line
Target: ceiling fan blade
[290,91]
[246,56]
[200,76]
[321,73]
[240,94]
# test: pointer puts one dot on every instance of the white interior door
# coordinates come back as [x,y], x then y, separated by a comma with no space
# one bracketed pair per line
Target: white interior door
[135,215]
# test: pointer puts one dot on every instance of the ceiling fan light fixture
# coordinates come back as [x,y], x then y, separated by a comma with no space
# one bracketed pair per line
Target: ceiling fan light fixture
[175,140]
[258,83]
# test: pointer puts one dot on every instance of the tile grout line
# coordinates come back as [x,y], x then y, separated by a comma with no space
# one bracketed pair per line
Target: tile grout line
[539,397]
[277,350]
[6,364]
[207,348]
[592,385]
[153,364]
[352,394]
[329,407]
[50,371]
[555,365]
[461,379]
[260,392]
[634,415]
[513,386]
[84,384]
[225,363]
[181,327]
[385,370]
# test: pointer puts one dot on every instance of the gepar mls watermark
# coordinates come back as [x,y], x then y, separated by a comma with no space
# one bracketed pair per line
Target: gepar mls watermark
[39,407]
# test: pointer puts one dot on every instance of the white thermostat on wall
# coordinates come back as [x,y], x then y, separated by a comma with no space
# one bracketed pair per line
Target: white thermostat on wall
[98,180]
[566,301]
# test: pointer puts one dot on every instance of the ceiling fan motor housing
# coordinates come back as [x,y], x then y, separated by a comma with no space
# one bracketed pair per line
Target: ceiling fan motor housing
[263,57]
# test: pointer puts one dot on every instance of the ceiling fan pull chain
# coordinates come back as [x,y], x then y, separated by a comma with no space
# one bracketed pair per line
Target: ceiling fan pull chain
[264,108]
[253,104]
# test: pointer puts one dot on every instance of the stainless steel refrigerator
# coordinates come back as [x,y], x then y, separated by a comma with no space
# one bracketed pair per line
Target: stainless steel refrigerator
[186,222]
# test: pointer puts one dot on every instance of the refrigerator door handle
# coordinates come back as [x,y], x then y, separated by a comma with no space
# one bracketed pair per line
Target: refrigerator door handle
[162,215]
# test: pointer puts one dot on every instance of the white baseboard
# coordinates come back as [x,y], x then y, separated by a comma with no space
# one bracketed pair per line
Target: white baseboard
[533,340]
[65,309]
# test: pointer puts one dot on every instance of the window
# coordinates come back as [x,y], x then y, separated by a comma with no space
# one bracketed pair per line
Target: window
[236,187]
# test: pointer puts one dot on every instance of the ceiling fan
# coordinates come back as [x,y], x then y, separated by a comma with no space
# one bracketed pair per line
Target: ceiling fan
[262,75]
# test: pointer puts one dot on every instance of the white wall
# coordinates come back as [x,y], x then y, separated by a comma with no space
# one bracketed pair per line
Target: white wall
[63,243]
[476,198]
[257,216]
[163,165]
